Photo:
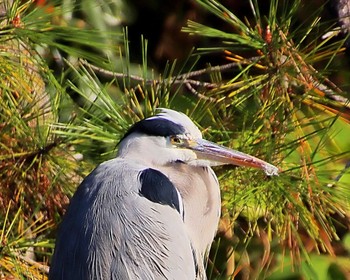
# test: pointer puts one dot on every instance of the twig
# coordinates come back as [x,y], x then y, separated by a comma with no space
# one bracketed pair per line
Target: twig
[196,93]
[211,69]
[43,268]
[184,76]
[181,79]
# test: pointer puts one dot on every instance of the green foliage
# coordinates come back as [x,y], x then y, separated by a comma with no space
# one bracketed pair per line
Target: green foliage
[69,91]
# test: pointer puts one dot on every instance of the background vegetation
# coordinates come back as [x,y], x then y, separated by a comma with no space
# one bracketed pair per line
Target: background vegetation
[269,78]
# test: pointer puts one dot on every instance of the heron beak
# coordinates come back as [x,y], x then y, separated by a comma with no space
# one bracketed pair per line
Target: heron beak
[220,155]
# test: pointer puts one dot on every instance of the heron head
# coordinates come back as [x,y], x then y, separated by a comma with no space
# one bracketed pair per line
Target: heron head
[171,136]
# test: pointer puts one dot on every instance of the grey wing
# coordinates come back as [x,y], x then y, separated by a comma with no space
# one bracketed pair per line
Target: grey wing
[116,227]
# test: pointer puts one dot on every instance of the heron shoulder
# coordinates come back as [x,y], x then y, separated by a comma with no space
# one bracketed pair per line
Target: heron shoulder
[121,177]
[157,187]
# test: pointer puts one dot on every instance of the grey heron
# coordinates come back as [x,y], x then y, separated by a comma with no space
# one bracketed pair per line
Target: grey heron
[150,213]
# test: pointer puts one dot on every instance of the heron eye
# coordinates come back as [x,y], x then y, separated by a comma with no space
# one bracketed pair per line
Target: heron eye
[176,140]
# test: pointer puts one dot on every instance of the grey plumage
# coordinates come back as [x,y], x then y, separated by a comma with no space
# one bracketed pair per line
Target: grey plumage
[343,10]
[151,213]
[119,244]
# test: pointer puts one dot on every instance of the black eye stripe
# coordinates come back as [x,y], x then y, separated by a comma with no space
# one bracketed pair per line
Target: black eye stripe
[156,127]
